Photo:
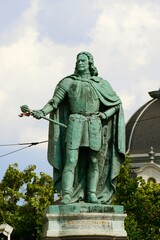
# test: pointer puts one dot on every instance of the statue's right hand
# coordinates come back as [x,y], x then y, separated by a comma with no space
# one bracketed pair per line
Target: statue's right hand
[38,114]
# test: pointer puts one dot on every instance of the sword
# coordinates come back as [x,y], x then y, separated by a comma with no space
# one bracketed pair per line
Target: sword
[28,112]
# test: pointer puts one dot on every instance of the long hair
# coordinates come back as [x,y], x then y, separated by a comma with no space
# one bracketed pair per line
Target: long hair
[93,70]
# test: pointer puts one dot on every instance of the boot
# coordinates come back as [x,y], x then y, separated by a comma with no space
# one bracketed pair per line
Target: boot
[66,199]
[93,176]
[67,184]
[92,198]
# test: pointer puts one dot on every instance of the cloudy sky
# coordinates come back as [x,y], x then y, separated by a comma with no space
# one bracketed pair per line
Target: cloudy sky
[39,41]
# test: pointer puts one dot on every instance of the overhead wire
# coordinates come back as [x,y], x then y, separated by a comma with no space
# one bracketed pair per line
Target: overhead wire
[20,149]
[36,143]
[6,154]
[17,144]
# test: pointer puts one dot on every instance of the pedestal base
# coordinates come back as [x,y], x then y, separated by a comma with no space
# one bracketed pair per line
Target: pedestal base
[87,238]
[84,221]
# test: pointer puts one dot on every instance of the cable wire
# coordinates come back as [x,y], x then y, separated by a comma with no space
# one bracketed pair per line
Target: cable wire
[17,144]
[20,149]
[14,151]
[36,143]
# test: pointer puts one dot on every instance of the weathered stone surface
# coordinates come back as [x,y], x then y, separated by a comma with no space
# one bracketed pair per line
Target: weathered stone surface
[84,208]
[88,238]
[84,222]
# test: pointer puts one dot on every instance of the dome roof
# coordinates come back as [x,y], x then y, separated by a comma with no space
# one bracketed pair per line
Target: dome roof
[143,130]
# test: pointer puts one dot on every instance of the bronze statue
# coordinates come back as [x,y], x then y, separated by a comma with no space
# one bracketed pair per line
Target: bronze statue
[86,156]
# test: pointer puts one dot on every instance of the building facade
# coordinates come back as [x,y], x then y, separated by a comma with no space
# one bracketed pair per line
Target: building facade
[143,139]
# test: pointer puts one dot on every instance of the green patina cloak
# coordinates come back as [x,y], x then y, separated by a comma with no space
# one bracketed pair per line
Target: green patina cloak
[110,156]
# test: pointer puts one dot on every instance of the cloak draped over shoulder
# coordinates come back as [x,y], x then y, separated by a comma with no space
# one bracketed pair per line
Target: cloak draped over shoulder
[111,154]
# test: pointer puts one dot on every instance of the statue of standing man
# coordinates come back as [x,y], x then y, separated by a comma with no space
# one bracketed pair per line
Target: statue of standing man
[86,156]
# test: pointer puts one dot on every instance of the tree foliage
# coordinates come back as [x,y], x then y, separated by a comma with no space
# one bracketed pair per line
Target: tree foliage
[141,202]
[23,198]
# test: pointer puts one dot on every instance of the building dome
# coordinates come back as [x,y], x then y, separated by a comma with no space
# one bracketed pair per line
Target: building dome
[143,132]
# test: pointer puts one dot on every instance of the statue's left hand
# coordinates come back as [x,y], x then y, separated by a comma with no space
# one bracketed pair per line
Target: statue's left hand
[101,115]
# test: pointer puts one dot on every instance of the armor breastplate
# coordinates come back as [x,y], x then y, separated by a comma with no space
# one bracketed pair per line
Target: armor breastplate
[83,98]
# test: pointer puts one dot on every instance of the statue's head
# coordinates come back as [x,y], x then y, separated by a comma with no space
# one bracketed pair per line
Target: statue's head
[88,61]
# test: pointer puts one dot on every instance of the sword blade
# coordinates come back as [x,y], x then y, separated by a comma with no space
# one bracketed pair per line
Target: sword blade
[54,121]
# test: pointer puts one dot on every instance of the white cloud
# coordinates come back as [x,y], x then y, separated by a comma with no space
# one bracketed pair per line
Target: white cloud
[126,43]
[123,32]
[127,100]
[124,39]
[34,133]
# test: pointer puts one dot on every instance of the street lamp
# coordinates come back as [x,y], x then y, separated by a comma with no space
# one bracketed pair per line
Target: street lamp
[5,230]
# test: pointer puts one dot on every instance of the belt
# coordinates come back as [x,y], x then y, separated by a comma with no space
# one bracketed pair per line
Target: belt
[87,114]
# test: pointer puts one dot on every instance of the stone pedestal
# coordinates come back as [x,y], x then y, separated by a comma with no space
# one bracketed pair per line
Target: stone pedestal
[84,221]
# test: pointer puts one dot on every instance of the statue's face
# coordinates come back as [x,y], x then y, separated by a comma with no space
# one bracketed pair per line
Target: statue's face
[82,63]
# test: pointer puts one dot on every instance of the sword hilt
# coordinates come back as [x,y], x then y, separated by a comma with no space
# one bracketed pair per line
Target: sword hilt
[25,111]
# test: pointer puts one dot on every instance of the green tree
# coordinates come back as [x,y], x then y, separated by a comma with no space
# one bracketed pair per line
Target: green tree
[141,202]
[23,198]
